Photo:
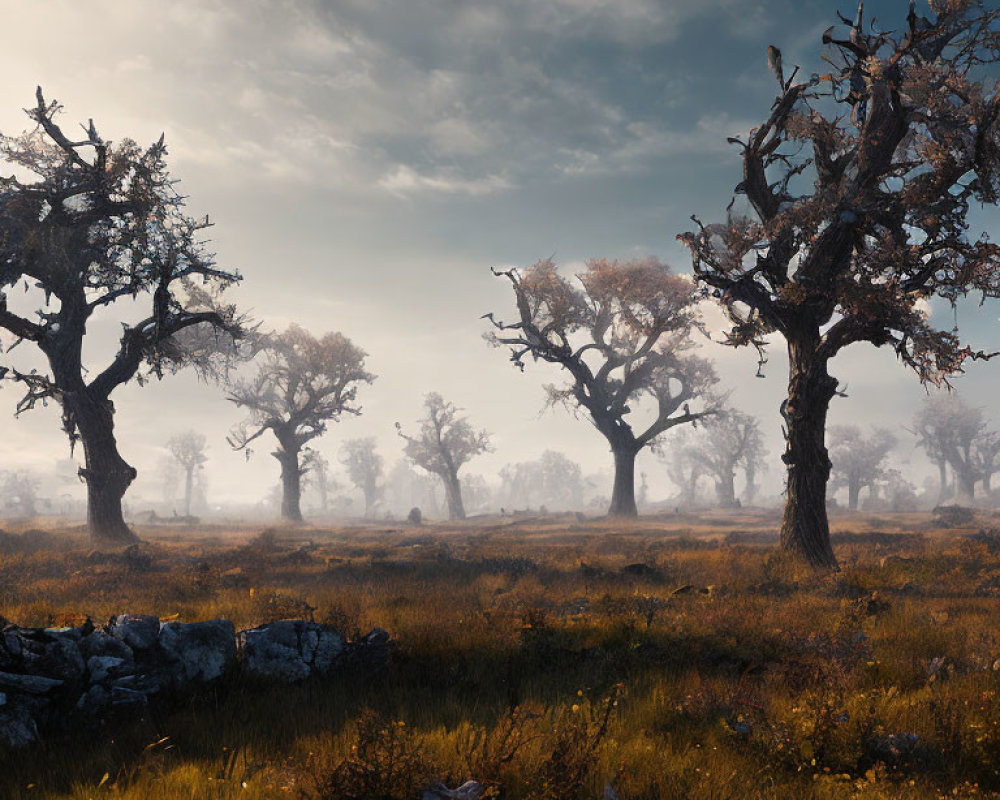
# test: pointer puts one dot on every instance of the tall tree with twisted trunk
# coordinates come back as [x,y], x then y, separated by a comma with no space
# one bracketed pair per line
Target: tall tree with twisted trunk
[622,335]
[301,384]
[446,442]
[88,224]
[859,184]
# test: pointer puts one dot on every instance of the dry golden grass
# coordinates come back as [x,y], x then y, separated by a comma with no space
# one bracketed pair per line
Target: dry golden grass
[548,658]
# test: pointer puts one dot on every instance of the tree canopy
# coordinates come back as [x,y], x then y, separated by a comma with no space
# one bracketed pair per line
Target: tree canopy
[857,187]
[300,385]
[445,443]
[622,333]
[87,224]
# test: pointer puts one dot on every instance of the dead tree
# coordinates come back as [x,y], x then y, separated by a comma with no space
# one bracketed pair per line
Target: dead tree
[445,443]
[88,224]
[301,384]
[364,469]
[188,450]
[858,184]
[731,441]
[858,459]
[19,492]
[622,335]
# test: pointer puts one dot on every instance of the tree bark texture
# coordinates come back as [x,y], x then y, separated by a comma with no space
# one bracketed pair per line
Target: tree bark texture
[805,528]
[291,482]
[623,492]
[106,473]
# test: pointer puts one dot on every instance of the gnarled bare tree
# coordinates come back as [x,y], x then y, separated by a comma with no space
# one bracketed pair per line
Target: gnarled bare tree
[858,459]
[622,335]
[188,450]
[301,384]
[445,443]
[364,468]
[859,184]
[88,224]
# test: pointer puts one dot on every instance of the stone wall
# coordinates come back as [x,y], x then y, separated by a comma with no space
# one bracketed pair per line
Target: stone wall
[57,679]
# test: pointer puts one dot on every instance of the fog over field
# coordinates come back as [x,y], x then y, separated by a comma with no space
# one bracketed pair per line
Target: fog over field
[365,168]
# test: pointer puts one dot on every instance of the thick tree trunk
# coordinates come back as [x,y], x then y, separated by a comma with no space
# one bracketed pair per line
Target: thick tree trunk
[853,493]
[725,490]
[987,478]
[623,492]
[750,492]
[188,487]
[966,487]
[453,492]
[370,501]
[107,474]
[291,483]
[805,528]
[943,489]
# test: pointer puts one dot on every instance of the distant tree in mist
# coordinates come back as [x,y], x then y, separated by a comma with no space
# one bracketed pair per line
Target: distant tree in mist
[364,469]
[19,493]
[678,454]
[858,185]
[858,458]
[553,481]
[477,496]
[170,479]
[731,441]
[955,434]
[405,488]
[622,332]
[300,385]
[188,450]
[895,491]
[444,444]
[90,224]
[316,474]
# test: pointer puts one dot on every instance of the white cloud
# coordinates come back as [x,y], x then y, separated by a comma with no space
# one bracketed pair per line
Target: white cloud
[404,181]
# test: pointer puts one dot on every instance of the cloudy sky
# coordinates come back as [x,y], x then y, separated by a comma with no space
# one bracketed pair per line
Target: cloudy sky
[367,161]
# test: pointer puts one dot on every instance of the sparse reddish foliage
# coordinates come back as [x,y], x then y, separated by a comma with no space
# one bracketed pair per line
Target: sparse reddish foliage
[622,335]
[859,184]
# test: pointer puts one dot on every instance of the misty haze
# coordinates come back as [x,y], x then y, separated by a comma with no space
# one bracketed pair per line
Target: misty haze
[540,399]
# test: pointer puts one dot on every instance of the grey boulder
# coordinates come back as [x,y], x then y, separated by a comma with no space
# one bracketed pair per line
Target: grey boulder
[198,652]
[290,650]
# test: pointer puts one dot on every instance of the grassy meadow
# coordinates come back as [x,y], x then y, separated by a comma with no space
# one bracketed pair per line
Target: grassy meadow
[670,657]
